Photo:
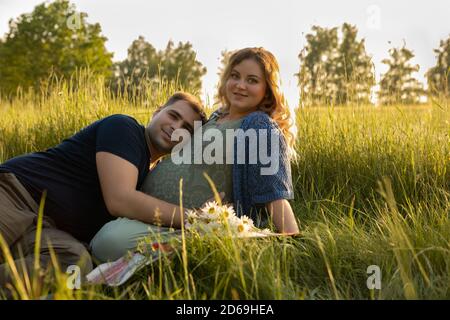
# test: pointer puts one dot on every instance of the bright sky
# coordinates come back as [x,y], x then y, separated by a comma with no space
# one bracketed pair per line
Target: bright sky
[279,26]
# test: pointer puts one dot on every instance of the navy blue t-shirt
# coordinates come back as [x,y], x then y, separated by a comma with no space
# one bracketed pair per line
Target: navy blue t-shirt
[68,172]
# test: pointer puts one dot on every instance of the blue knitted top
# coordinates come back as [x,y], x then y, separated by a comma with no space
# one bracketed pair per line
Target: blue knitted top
[251,189]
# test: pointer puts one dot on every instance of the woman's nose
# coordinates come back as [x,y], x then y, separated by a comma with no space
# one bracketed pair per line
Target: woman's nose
[240,84]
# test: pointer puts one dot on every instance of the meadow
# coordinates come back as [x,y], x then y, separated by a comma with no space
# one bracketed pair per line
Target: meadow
[372,187]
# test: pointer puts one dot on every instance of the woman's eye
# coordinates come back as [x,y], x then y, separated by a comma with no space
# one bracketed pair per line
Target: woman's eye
[234,76]
[252,81]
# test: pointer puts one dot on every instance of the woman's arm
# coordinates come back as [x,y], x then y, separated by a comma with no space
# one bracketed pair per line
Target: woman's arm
[283,216]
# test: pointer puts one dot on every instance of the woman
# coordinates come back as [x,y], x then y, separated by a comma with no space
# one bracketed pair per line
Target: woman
[251,99]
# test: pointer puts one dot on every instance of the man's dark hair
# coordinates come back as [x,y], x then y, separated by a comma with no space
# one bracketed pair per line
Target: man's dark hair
[191,100]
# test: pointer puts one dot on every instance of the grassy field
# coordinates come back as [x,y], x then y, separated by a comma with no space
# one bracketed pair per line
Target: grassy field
[372,187]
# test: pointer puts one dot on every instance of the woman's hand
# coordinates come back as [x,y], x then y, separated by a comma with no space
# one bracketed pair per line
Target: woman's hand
[283,217]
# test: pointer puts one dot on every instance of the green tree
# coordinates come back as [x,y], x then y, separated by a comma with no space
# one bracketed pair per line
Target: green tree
[224,58]
[354,69]
[398,85]
[438,77]
[53,38]
[141,65]
[312,78]
[335,68]
[181,63]
[145,65]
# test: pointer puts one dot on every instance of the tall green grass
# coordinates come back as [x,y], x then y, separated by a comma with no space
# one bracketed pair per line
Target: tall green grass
[372,187]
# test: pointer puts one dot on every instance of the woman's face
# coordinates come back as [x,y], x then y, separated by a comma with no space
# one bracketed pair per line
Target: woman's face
[246,87]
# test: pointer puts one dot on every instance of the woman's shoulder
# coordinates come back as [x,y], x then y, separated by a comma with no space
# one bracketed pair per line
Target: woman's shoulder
[255,120]
[258,120]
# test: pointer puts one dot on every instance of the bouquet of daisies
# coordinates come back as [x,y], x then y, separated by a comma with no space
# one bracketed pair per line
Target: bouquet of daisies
[221,219]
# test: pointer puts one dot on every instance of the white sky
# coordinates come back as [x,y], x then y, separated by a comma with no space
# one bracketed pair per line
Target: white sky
[279,26]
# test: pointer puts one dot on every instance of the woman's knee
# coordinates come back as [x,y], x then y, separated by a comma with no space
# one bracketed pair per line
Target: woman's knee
[115,239]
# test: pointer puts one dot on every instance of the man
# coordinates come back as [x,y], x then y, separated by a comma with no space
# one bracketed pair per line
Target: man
[90,178]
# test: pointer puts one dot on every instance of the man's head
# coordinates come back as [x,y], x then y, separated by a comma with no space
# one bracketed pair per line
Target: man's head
[179,112]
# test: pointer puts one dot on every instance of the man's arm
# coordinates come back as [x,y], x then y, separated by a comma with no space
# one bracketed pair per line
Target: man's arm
[118,180]
[283,217]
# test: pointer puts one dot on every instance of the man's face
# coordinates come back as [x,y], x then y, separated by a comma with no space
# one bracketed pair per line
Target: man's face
[179,115]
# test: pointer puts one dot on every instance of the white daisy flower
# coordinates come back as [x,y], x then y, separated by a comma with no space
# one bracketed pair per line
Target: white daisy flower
[191,216]
[243,228]
[210,211]
[246,220]
[210,208]
[219,219]
[227,213]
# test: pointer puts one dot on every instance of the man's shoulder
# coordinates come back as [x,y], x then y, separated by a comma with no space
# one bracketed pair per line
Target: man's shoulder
[119,122]
[119,118]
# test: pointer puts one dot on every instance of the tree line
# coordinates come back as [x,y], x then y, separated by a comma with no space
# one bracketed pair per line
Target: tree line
[335,67]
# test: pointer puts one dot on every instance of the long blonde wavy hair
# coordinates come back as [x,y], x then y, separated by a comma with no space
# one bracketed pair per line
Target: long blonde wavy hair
[274,103]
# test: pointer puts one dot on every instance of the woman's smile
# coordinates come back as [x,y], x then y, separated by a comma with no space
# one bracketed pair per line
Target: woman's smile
[240,95]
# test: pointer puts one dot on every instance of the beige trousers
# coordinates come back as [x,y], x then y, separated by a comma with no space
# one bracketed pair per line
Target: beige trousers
[18,221]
